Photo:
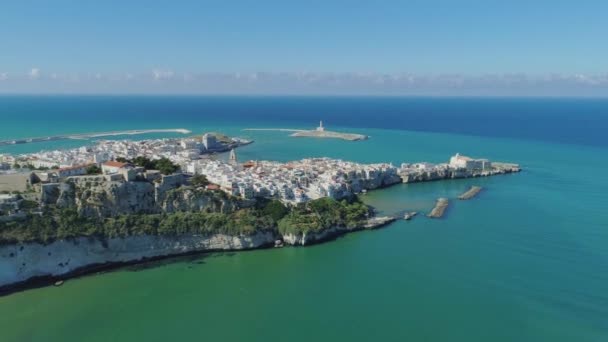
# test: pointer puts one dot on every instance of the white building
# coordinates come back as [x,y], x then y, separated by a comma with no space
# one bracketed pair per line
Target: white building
[112,167]
[77,170]
[40,163]
[209,141]
[188,144]
[463,162]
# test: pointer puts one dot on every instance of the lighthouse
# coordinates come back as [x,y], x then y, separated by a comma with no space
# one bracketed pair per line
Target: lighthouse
[320,128]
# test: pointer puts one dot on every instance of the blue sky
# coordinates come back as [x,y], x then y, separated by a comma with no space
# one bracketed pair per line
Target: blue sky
[68,45]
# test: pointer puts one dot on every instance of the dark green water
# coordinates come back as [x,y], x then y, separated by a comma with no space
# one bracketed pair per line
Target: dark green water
[526,260]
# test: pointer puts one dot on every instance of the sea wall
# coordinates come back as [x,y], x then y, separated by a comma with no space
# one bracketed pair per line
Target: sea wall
[21,262]
[416,176]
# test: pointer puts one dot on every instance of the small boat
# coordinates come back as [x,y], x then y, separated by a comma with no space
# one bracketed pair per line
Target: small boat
[58,283]
[408,216]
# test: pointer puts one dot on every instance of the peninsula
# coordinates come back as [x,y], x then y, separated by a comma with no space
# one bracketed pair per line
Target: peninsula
[319,132]
[171,201]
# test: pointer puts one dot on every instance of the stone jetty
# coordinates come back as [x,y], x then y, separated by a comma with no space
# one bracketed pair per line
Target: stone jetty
[472,192]
[319,132]
[440,207]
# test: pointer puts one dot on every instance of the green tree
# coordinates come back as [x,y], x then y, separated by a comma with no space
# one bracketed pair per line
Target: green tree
[199,180]
[275,209]
[143,162]
[93,170]
[165,166]
[27,204]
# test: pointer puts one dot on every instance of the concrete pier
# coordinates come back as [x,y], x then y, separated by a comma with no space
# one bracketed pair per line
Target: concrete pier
[439,209]
[472,192]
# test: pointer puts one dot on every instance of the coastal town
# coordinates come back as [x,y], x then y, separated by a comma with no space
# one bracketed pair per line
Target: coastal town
[117,201]
[292,183]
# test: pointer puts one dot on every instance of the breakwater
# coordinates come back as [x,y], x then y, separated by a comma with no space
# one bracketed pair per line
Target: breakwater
[314,133]
[439,209]
[472,192]
[91,135]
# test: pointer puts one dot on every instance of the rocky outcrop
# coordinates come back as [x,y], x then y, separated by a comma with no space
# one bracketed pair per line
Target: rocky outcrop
[21,262]
[423,175]
[184,199]
[327,234]
[96,196]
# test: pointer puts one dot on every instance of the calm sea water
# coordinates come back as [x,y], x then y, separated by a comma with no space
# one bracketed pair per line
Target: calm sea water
[527,260]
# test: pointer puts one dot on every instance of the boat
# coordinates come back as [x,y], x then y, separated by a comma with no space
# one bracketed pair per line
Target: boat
[58,283]
[408,216]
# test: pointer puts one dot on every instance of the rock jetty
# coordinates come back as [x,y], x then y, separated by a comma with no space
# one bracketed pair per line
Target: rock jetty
[439,209]
[472,192]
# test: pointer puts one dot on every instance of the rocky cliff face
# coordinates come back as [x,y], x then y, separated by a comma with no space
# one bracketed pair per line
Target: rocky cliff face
[425,176]
[315,237]
[192,200]
[311,238]
[21,262]
[95,196]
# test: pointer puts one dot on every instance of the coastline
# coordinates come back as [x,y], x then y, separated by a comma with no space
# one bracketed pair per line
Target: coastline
[199,245]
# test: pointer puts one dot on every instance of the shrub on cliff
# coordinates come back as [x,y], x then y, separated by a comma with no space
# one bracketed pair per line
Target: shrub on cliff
[271,215]
[324,213]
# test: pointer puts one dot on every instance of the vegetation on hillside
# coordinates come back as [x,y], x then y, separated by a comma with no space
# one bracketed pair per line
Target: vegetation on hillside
[267,215]
[324,213]
[164,165]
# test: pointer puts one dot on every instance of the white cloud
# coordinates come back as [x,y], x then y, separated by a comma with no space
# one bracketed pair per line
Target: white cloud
[162,74]
[398,83]
[34,73]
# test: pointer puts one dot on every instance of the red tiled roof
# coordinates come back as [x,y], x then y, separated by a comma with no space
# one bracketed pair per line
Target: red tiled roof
[114,164]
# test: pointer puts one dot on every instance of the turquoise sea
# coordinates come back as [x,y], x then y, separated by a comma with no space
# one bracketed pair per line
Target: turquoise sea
[526,260]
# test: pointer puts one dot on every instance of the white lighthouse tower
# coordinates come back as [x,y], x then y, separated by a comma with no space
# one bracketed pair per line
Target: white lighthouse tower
[320,128]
